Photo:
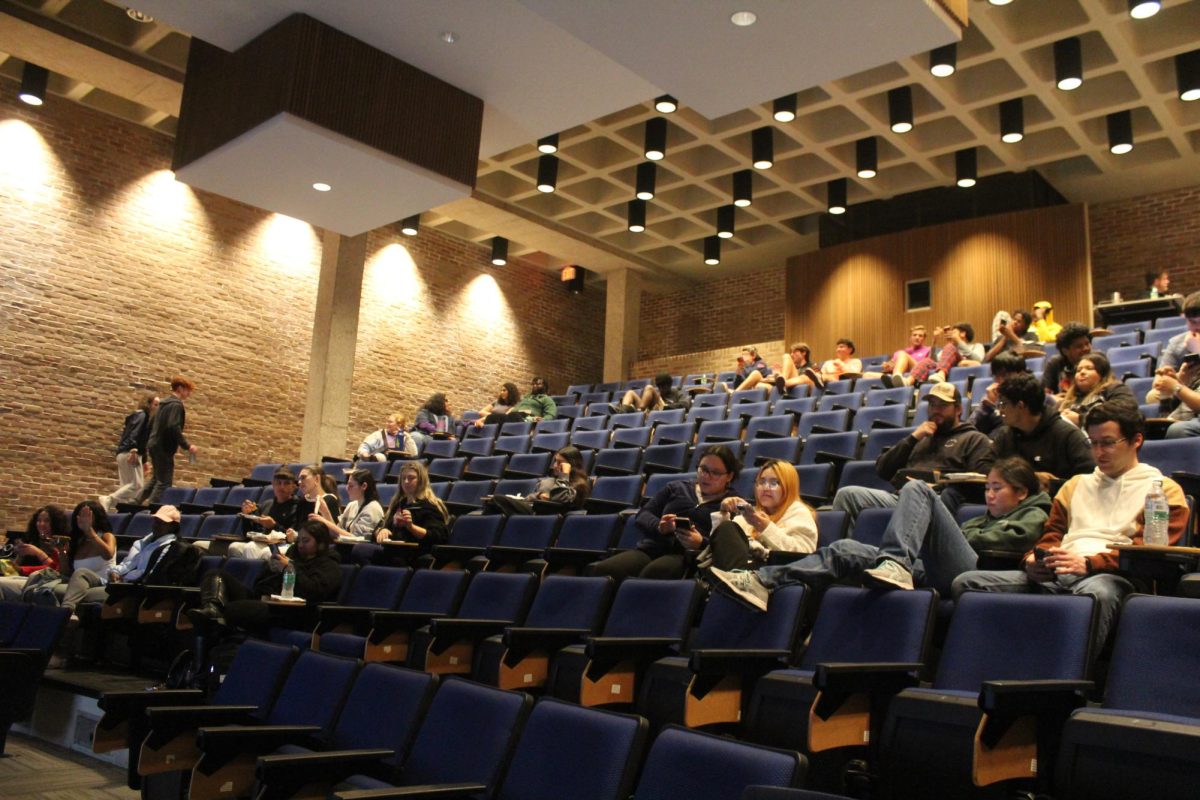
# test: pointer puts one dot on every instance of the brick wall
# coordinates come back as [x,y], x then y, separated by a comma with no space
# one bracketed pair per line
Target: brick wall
[1130,238]
[113,277]
[703,328]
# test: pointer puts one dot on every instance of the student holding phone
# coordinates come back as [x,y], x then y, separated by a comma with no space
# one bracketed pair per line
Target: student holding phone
[677,521]
[777,520]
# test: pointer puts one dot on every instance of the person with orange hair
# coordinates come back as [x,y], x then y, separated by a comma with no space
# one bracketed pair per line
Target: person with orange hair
[777,520]
[166,436]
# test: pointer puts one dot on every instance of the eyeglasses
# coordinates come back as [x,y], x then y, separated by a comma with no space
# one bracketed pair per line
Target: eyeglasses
[768,483]
[1194,316]
[1105,444]
[711,473]
[1001,405]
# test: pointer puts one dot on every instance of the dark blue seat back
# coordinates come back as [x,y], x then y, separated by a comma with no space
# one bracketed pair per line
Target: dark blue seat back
[498,595]
[246,570]
[565,601]
[407,694]
[587,532]
[467,734]
[41,629]
[255,674]
[529,531]
[377,587]
[997,636]
[727,624]
[476,531]
[1154,657]
[653,608]
[434,591]
[859,625]
[689,764]
[314,691]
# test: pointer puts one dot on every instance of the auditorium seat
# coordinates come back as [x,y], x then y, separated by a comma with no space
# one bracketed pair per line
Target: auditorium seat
[590,439]
[666,416]
[826,421]
[709,682]
[528,465]
[549,442]
[430,594]
[446,469]
[718,431]
[582,539]
[868,419]
[664,458]
[632,419]
[482,468]
[649,619]
[374,587]
[552,426]
[512,444]
[880,439]
[591,423]
[710,413]
[870,525]
[614,493]
[794,406]
[469,536]
[440,448]
[479,446]
[745,411]
[756,395]
[759,450]
[674,433]
[847,400]
[815,482]
[23,661]
[993,636]
[467,496]
[524,537]
[631,437]
[618,461]
[838,445]
[901,396]
[702,766]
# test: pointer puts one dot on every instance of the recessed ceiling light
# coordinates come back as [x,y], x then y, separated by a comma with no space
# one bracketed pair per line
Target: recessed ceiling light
[321,186]
[743,18]
[139,16]
[1144,9]
[999,2]
[449,37]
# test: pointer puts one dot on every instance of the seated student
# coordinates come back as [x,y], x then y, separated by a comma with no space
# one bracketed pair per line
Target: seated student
[904,360]
[318,495]
[362,515]
[391,439]
[1160,284]
[433,420]
[506,400]
[1089,515]
[143,555]
[1178,347]
[34,549]
[1056,448]
[281,512]
[959,349]
[777,520]
[1093,384]
[1184,387]
[676,521]
[1012,336]
[89,555]
[1058,372]
[533,407]
[653,397]
[923,545]
[567,486]
[751,370]
[796,366]
[224,601]
[1044,326]
[415,514]
[985,416]
[843,363]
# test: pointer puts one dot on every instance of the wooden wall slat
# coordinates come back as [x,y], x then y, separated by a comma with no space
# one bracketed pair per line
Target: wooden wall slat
[977,267]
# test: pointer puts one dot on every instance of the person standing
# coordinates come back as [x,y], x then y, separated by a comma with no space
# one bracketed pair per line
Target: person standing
[166,436]
[130,451]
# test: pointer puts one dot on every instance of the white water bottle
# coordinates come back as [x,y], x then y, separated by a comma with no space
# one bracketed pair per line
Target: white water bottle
[1158,515]
[289,581]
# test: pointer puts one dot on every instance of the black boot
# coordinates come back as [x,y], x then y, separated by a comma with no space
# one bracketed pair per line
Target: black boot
[212,604]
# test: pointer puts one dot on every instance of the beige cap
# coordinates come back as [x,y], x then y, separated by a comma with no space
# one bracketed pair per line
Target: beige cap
[167,514]
[946,392]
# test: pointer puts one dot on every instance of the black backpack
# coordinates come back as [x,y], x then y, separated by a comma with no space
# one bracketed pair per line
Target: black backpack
[177,566]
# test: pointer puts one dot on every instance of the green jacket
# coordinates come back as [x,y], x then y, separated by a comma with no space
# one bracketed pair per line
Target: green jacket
[1015,532]
[537,405]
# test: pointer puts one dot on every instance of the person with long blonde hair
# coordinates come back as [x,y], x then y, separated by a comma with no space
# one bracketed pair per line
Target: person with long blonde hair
[778,520]
[415,514]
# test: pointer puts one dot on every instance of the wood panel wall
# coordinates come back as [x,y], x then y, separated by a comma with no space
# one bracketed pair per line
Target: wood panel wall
[977,267]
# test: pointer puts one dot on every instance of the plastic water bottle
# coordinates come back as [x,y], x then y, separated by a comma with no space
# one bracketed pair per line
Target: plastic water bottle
[1158,516]
[289,581]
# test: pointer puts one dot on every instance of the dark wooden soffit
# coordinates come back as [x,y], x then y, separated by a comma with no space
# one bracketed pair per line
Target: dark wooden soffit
[306,68]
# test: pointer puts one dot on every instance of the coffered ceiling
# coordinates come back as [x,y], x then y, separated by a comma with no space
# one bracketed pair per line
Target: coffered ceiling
[1005,54]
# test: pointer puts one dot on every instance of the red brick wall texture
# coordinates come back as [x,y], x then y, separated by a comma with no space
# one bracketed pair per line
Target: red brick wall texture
[113,277]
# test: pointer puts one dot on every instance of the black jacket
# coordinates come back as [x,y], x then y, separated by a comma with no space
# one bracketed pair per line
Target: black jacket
[1055,446]
[166,432]
[136,433]
[963,449]
[318,579]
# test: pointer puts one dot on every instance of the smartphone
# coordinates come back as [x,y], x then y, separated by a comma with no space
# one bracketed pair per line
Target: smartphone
[1040,553]
[1189,360]
[683,524]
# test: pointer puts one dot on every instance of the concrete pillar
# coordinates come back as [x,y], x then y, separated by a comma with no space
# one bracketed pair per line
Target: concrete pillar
[334,337]
[621,317]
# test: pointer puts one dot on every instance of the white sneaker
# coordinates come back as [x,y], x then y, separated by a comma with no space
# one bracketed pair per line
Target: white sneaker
[743,585]
[887,574]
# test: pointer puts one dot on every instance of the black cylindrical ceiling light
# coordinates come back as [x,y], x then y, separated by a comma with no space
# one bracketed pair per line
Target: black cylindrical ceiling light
[1012,120]
[943,61]
[712,251]
[900,109]
[762,147]
[866,157]
[1144,9]
[785,108]
[1068,63]
[656,138]
[743,188]
[1120,132]
[836,190]
[635,214]
[411,226]
[548,144]
[725,222]
[647,174]
[499,251]
[966,168]
[575,285]
[547,176]
[1187,75]
[33,84]
[665,104]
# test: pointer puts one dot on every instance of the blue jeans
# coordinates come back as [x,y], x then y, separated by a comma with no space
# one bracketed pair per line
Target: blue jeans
[1185,429]
[1106,588]
[922,536]
[853,499]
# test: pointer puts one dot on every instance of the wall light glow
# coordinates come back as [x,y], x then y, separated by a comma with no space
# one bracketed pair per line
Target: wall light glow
[29,168]
[291,245]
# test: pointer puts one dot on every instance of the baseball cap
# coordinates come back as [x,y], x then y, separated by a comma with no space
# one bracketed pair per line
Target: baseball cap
[946,392]
[167,514]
